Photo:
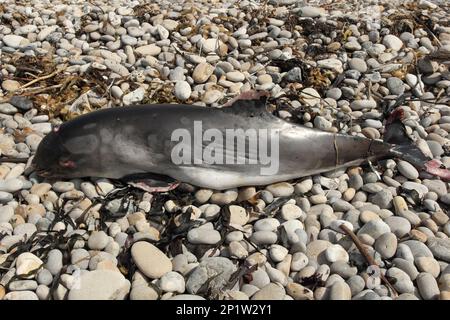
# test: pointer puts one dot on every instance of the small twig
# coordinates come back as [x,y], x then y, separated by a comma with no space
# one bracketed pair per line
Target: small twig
[368,257]
[54,73]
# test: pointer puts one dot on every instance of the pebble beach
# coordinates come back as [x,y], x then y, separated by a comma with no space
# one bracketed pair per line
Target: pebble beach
[332,65]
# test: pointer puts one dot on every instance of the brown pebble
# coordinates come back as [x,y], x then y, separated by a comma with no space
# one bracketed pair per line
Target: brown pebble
[445,295]
[440,218]
[430,224]
[418,235]
[334,46]
[354,170]
[2,292]
[16,220]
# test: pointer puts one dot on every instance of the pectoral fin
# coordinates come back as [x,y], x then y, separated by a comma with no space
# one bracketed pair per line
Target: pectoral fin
[151,182]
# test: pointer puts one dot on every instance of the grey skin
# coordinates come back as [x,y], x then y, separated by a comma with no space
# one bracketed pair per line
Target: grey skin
[119,142]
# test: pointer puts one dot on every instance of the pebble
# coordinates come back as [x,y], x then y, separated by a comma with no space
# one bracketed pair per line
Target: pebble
[100,285]
[271,291]
[428,287]
[336,253]
[392,42]
[153,268]
[172,282]
[202,72]
[21,295]
[148,50]
[182,90]
[203,236]
[54,261]
[407,170]
[14,41]
[98,240]
[386,245]
[173,56]
[357,64]
[429,265]
[440,248]
[26,264]
[340,291]
[282,189]
[264,237]
[395,86]
[374,228]
[363,104]
[403,283]
[217,270]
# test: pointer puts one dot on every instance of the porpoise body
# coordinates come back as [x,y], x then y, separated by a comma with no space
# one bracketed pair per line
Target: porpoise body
[137,140]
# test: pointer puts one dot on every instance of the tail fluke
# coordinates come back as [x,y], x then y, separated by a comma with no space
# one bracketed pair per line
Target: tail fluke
[405,149]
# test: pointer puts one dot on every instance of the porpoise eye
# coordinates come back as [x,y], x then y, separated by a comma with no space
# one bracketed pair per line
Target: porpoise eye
[67,163]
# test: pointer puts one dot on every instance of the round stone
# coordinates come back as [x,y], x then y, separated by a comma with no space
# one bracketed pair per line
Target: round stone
[98,240]
[172,282]
[386,245]
[290,211]
[392,42]
[336,253]
[182,90]
[11,85]
[395,86]
[357,64]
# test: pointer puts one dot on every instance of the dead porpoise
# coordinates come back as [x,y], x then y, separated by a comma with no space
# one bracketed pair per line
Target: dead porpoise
[158,145]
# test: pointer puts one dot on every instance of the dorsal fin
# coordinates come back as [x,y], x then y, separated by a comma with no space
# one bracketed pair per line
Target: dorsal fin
[251,103]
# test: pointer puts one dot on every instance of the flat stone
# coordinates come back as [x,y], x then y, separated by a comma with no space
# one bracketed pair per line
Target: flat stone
[332,64]
[148,50]
[403,283]
[10,85]
[429,265]
[203,236]
[340,291]
[440,248]
[428,287]
[216,270]
[100,285]
[407,170]
[26,263]
[395,86]
[357,64]
[21,295]
[150,260]
[281,189]
[15,41]
[271,291]
[311,12]
[358,105]
[374,228]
